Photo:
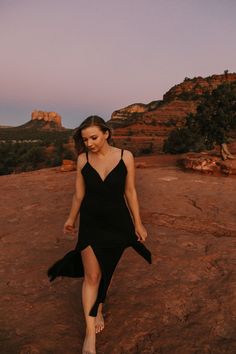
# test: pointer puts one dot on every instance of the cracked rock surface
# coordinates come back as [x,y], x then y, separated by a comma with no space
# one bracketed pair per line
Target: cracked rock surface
[184,303]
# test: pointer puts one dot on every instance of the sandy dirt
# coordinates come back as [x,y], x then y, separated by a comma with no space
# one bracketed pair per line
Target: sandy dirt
[184,303]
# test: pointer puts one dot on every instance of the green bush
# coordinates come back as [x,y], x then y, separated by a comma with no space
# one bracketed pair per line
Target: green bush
[147,150]
[211,124]
[69,155]
[182,140]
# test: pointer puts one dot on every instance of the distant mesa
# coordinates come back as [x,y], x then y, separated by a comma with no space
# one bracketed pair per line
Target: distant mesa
[42,120]
[47,117]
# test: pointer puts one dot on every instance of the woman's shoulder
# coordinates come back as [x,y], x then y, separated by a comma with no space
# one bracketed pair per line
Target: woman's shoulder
[124,153]
[128,158]
[81,159]
[127,154]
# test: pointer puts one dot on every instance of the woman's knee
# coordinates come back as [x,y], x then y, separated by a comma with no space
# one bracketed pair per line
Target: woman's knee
[92,278]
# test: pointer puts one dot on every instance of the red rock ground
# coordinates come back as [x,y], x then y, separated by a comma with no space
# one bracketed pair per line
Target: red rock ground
[184,303]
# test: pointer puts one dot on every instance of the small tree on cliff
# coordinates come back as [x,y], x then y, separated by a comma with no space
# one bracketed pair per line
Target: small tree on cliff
[214,119]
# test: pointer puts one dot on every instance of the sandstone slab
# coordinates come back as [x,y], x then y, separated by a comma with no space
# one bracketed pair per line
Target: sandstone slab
[183,303]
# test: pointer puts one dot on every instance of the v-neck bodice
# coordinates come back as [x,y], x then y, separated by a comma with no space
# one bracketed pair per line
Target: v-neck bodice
[113,183]
[109,192]
[113,169]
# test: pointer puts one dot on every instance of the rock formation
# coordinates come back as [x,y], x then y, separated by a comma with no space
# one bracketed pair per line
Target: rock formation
[47,117]
[135,108]
[143,128]
[197,86]
[68,165]
[209,164]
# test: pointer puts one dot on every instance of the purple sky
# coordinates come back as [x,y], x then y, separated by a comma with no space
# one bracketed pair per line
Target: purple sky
[83,57]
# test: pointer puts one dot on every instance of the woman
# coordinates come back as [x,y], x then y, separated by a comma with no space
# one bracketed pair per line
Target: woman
[106,200]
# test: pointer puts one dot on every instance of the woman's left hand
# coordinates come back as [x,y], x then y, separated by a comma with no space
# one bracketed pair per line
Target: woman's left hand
[141,232]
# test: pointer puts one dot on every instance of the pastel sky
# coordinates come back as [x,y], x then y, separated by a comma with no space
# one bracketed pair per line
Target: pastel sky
[83,57]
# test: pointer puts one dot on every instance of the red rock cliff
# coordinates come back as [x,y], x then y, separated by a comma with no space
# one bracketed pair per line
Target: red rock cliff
[143,127]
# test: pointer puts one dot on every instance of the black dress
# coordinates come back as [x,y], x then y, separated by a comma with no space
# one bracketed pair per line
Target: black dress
[105,224]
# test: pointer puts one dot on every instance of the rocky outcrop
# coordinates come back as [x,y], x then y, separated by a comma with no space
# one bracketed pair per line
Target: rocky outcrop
[208,164]
[47,117]
[134,109]
[143,128]
[68,165]
[201,164]
[228,167]
[192,88]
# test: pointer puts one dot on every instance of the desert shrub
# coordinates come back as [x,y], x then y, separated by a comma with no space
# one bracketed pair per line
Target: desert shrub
[211,124]
[68,154]
[147,150]
[34,155]
[182,140]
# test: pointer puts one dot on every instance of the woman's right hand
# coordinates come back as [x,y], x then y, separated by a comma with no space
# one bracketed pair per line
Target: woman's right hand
[69,227]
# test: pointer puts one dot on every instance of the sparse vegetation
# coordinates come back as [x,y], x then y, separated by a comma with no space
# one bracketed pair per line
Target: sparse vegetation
[147,150]
[169,123]
[210,126]
[26,149]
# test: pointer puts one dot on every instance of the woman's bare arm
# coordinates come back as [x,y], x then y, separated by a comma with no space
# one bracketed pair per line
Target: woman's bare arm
[79,192]
[130,190]
[131,197]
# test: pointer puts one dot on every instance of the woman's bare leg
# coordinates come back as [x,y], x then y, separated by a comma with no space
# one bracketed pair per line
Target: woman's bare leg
[99,320]
[92,277]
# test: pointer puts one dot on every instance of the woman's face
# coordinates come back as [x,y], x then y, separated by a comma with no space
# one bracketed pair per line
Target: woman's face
[94,138]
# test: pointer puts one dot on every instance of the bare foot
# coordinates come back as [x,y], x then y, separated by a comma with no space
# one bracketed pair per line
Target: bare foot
[89,344]
[99,322]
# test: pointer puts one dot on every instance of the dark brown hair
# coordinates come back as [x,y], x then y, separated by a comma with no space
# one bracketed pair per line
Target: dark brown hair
[88,122]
